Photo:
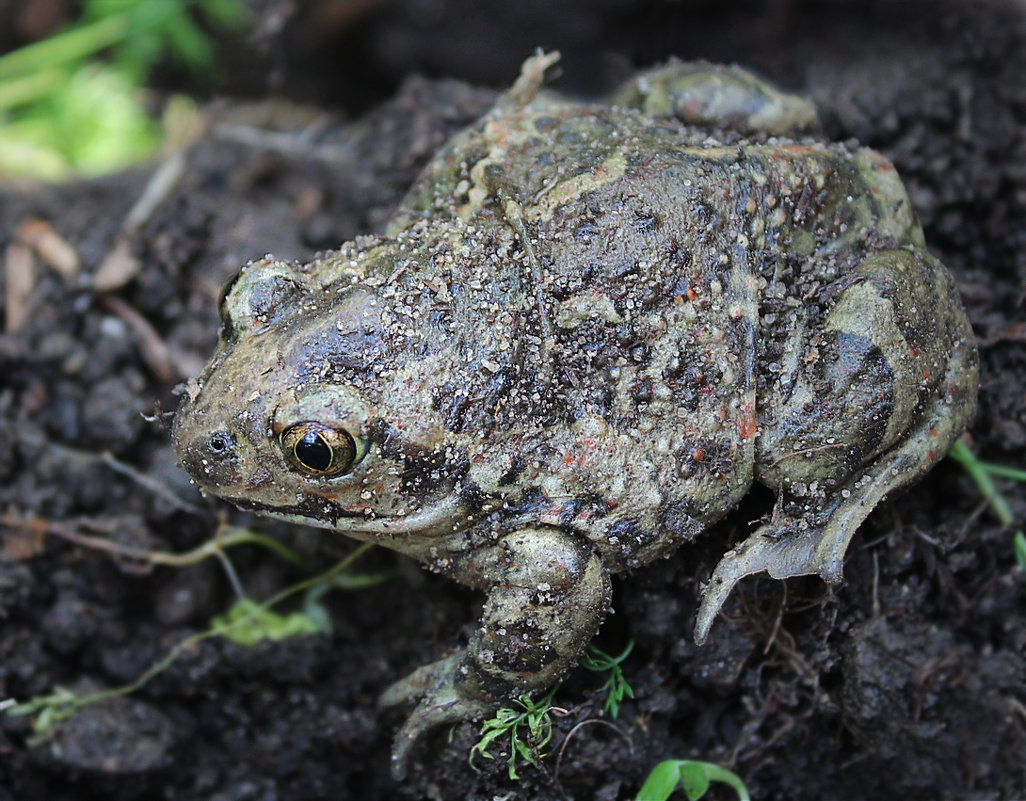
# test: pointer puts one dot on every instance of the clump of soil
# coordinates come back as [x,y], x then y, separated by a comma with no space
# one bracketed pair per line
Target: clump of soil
[905,682]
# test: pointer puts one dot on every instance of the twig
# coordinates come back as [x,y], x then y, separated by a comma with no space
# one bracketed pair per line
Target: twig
[151,484]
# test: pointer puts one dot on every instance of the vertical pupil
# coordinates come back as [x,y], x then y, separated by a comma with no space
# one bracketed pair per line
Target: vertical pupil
[313,451]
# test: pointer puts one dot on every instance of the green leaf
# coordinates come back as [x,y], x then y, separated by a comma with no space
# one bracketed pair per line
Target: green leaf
[692,776]
[18,91]
[361,581]
[63,48]
[661,782]
[100,124]
[227,14]
[318,615]
[25,150]
[248,622]
[535,716]
[694,780]
[189,43]
[616,685]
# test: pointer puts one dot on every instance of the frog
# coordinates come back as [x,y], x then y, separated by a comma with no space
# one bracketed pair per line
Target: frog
[588,330]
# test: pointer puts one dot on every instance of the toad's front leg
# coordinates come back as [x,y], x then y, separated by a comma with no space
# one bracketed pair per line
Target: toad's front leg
[547,595]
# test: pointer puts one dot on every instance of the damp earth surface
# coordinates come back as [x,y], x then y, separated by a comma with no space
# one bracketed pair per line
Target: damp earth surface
[905,681]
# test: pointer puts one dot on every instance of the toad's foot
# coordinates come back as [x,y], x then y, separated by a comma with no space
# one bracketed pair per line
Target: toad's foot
[440,702]
[718,96]
[547,593]
[783,551]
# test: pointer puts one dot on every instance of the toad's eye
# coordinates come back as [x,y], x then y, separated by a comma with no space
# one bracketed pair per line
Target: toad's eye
[257,296]
[320,450]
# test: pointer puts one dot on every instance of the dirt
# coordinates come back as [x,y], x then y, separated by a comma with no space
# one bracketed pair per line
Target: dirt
[905,682]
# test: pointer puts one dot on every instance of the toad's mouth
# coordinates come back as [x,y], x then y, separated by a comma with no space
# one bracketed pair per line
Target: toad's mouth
[448,515]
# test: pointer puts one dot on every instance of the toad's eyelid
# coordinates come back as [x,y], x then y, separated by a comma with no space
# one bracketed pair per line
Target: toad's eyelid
[222,297]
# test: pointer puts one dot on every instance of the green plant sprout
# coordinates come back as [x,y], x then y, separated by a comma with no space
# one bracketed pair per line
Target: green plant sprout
[983,473]
[616,686]
[535,717]
[64,110]
[692,777]
[247,623]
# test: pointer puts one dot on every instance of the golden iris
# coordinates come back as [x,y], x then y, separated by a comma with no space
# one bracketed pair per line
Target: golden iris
[319,450]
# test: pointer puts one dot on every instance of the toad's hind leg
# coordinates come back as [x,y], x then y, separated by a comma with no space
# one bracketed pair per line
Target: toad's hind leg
[904,303]
[717,96]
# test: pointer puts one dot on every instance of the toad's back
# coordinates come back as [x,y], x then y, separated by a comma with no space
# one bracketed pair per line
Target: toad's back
[647,249]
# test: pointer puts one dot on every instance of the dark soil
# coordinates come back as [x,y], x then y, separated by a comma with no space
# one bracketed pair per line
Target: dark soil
[906,682]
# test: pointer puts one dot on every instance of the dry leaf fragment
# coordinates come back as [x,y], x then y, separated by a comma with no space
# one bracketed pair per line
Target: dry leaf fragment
[20,279]
[23,540]
[118,267]
[50,246]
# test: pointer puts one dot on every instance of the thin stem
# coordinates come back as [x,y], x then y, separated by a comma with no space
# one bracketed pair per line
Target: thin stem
[981,473]
[65,47]
[29,88]
[70,705]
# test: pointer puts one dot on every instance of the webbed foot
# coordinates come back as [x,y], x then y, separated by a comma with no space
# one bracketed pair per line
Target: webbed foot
[715,95]
[787,547]
[440,701]
[548,593]
[782,554]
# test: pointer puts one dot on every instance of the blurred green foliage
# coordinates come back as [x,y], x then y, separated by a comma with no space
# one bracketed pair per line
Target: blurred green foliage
[73,104]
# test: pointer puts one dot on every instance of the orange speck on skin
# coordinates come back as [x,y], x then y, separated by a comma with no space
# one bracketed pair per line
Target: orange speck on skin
[497,132]
[693,106]
[746,425]
[581,455]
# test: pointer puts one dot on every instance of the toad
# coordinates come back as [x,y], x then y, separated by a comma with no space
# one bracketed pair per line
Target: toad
[587,331]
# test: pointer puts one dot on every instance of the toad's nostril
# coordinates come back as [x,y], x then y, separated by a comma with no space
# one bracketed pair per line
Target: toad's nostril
[219,443]
[210,459]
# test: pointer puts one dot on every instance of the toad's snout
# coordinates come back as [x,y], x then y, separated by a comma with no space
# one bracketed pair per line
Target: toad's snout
[210,456]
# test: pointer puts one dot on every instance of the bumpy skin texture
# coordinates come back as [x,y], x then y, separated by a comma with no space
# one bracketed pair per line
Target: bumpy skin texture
[588,331]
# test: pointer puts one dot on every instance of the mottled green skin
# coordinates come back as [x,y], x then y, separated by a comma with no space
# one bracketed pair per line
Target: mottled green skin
[585,335]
